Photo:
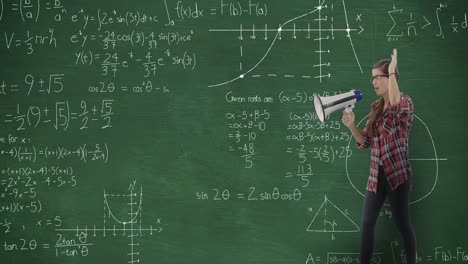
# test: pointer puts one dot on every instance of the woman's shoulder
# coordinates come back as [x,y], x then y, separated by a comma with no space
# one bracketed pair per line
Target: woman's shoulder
[406,99]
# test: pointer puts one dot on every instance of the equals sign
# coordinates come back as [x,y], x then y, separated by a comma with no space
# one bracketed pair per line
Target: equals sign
[230,135]
[240,196]
[93,37]
[288,174]
[213,11]
[14,86]
[289,150]
[8,120]
[231,148]
[124,88]
[45,245]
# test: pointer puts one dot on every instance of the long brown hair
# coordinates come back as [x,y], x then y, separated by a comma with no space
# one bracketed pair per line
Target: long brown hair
[383,66]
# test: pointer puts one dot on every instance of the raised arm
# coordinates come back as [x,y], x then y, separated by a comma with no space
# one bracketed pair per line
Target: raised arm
[393,89]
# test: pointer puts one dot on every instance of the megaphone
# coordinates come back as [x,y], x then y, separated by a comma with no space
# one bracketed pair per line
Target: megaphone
[326,105]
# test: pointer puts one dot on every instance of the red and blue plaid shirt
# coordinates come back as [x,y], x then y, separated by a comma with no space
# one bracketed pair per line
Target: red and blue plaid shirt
[389,146]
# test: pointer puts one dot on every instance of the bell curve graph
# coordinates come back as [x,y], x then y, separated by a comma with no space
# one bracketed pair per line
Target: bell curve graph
[290,27]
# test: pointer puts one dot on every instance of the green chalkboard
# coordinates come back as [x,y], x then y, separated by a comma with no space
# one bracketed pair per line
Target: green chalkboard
[184,131]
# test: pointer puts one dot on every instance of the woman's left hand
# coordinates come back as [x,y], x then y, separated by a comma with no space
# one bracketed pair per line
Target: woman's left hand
[393,63]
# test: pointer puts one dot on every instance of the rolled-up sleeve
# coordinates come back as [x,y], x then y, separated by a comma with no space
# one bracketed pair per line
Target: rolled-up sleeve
[398,117]
[366,142]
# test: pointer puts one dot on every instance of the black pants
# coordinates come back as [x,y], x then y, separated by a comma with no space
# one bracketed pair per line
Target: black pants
[399,200]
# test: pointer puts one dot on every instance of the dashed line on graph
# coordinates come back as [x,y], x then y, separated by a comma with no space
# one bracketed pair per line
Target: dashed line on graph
[268,51]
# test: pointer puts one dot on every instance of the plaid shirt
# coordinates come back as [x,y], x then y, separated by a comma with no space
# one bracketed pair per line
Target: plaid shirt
[390,144]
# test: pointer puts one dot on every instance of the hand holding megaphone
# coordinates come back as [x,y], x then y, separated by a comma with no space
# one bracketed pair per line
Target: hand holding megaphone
[348,118]
[326,105]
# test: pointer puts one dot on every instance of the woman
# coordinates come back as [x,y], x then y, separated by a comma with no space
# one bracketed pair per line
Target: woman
[386,132]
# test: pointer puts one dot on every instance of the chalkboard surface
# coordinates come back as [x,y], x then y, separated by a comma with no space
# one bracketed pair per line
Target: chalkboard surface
[184,132]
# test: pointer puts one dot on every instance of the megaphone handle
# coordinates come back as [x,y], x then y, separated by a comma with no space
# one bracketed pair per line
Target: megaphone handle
[349,108]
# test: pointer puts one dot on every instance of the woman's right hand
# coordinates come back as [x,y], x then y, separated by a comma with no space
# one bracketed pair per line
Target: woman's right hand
[348,118]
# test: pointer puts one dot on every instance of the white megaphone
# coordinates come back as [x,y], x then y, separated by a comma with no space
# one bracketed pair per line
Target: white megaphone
[326,105]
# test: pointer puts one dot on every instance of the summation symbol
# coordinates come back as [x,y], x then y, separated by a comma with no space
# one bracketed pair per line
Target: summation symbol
[117,222]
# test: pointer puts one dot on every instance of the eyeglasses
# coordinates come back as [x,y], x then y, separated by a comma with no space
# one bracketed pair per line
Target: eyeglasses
[378,77]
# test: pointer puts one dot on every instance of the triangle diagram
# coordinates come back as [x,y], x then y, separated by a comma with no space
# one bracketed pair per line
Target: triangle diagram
[331,219]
